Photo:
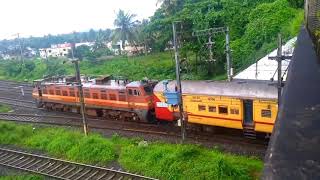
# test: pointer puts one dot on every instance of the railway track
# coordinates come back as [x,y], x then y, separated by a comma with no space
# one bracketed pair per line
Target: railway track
[60,169]
[18,102]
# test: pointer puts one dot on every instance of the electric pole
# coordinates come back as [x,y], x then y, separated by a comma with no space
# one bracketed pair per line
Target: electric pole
[81,98]
[211,32]
[228,55]
[179,90]
[279,58]
[20,47]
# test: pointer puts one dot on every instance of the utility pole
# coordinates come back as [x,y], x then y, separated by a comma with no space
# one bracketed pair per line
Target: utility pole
[20,47]
[279,58]
[211,32]
[228,55]
[176,55]
[81,98]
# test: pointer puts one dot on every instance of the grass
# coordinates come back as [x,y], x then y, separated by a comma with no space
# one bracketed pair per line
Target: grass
[4,108]
[157,159]
[22,177]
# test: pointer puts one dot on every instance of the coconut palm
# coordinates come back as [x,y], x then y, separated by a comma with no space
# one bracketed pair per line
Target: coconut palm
[125,30]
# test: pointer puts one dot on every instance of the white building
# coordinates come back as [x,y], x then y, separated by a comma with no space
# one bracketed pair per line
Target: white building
[267,69]
[56,50]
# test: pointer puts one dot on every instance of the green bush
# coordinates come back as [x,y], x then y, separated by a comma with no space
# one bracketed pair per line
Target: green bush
[186,162]
[93,149]
[161,160]
[13,134]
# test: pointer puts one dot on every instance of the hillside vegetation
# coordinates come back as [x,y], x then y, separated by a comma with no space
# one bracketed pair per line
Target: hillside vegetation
[254,26]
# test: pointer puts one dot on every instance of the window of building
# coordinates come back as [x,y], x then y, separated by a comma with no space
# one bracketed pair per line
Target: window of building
[95,96]
[266,113]
[113,97]
[45,91]
[51,91]
[64,93]
[234,111]
[212,109]
[58,92]
[71,92]
[201,107]
[223,110]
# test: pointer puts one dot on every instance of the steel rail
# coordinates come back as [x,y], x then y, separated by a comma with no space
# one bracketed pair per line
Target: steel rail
[18,103]
[60,169]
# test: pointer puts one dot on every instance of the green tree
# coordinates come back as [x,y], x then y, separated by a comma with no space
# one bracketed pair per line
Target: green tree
[125,27]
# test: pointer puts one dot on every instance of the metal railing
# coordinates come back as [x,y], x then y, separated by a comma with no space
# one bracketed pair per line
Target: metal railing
[312,17]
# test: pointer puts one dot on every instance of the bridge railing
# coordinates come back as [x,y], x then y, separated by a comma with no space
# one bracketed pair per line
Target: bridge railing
[312,17]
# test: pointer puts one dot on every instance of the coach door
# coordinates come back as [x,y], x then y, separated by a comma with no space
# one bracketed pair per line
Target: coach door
[248,112]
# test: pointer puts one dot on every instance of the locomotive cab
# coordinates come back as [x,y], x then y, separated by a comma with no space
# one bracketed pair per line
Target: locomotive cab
[139,95]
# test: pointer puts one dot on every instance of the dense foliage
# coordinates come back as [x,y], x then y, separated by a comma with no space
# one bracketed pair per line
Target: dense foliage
[254,26]
[159,160]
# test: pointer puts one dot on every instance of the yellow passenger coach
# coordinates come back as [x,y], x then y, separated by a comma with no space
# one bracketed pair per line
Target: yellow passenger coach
[240,104]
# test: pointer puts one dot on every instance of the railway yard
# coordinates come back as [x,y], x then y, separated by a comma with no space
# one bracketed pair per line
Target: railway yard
[24,111]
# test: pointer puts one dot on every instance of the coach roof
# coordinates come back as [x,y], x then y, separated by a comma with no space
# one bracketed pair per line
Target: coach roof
[238,88]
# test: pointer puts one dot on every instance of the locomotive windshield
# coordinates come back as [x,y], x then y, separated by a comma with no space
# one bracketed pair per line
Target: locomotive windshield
[148,90]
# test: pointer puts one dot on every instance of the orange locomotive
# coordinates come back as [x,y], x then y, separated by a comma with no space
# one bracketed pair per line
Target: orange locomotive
[117,99]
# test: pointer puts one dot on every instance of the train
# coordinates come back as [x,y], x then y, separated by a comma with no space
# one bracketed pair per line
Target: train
[247,105]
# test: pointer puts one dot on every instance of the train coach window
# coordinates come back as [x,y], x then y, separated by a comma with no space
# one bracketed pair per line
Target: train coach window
[64,93]
[130,92]
[223,110]
[51,91]
[234,111]
[148,90]
[87,95]
[201,107]
[95,96]
[58,92]
[71,92]
[136,92]
[266,113]
[122,97]
[104,96]
[113,97]
[212,109]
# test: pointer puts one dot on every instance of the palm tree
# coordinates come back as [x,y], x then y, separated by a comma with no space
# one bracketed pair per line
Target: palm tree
[125,30]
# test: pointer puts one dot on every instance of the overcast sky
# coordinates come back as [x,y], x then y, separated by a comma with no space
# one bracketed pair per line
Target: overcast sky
[39,17]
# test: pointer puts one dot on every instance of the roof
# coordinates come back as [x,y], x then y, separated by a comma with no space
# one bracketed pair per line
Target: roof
[266,69]
[238,88]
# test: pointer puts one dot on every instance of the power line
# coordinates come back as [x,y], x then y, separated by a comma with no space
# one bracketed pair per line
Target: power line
[210,33]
